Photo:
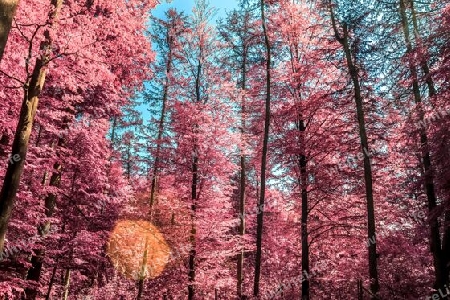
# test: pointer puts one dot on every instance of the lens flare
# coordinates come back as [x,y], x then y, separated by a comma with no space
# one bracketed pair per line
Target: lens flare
[138,250]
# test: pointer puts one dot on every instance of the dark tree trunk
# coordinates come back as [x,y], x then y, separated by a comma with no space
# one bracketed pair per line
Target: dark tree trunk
[435,238]
[193,234]
[193,251]
[50,285]
[140,289]
[262,195]
[304,191]
[242,181]
[37,260]
[302,179]
[368,180]
[423,63]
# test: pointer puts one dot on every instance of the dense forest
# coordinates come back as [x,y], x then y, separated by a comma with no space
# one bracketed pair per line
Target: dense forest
[292,149]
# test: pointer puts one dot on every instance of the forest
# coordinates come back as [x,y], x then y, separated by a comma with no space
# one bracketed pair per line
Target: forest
[278,149]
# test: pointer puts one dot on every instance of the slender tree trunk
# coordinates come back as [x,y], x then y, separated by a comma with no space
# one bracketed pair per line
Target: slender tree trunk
[302,180]
[128,165]
[143,271]
[23,131]
[193,251]
[446,248]
[423,62]
[262,195]
[7,12]
[66,284]
[304,191]
[371,232]
[113,132]
[193,234]
[435,238]
[242,181]
[50,285]
[161,127]
[37,260]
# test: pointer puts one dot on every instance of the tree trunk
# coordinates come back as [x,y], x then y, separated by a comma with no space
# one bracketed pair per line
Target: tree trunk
[161,127]
[304,191]
[37,260]
[262,195]
[423,63]
[368,180]
[193,234]
[66,284]
[435,238]
[140,289]
[242,182]
[7,12]
[446,248]
[23,131]
[302,180]
[50,285]
[193,251]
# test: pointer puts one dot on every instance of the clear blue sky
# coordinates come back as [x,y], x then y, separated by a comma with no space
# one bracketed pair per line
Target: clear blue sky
[186,5]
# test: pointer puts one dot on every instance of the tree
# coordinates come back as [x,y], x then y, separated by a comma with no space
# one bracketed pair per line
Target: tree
[429,185]
[165,35]
[260,217]
[70,94]
[13,174]
[7,11]
[344,39]
[239,33]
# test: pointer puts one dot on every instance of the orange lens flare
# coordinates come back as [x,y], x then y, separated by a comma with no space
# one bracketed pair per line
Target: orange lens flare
[138,250]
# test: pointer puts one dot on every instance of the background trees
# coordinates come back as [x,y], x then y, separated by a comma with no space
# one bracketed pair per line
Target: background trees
[326,120]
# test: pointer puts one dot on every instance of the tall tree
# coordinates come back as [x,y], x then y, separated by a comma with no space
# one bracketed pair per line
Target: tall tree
[344,39]
[165,36]
[429,185]
[238,31]
[30,102]
[262,194]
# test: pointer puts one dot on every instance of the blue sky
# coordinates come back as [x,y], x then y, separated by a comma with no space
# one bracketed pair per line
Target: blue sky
[186,5]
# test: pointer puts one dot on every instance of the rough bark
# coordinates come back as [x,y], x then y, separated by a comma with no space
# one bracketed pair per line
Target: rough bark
[21,141]
[262,194]
[7,12]
[368,180]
